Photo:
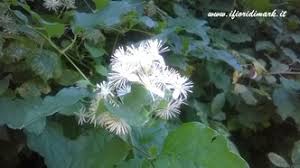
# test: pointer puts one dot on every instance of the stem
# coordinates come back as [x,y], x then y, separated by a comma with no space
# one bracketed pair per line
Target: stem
[71,45]
[116,41]
[88,5]
[142,31]
[62,52]
[140,150]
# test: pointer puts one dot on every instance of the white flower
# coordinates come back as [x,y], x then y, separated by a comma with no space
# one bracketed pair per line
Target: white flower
[69,4]
[152,86]
[52,4]
[121,74]
[82,116]
[121,91]
[171,111]
[154,48]
[104,90]
[181,87]
[113,124]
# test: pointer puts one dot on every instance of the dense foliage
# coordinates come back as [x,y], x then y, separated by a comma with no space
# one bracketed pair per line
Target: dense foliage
[245,74]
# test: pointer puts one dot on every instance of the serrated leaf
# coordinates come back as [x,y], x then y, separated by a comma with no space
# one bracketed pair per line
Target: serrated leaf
[20,113]
[191,25]
[94,149]
[277,160]
[46,64]
[226,57]
[195,145]
[109,16]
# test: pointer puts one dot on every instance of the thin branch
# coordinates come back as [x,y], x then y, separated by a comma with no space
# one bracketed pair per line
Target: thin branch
[62,52]
[142,31]
[71,45]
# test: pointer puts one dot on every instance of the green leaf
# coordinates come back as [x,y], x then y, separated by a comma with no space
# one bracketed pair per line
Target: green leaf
[46,64]
[191,25]
[223,55]
[253,118]
[29,89]
[100,4]
[149,138]
[4,83]
[290,53]
[147,21]
[20,113]
[218,103]
[135,163]
[68,77]
[179,10]
[296,38]
[93,149]
[132,110]
[277,160]
[245,93]
[107,17]
[278,67]
[54,29]
[264,45]
[102,70]
[287,104]
[195,145]
[94,51]
[218,76]
[231,37]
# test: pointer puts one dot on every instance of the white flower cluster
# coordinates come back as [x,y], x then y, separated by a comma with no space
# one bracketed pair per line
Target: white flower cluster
[142,65]
[56,4]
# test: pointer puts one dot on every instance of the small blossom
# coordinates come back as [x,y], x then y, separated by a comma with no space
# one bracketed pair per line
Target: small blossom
[121,91]
[52,4]
[171,111]
[82,116]
[152,86]
[104,90]
[113,124]
[181,87]
[69,4]
[121,74]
